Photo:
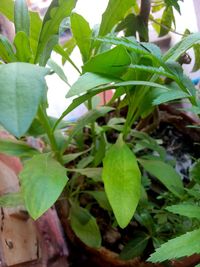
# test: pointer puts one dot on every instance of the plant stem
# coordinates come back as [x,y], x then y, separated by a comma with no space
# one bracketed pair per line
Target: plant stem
[45,122]
[92,125]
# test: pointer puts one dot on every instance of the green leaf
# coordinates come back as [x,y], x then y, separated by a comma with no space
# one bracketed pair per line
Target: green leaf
[16,148]
[85,227]
[129,25]
[20,85]
[101,198]
[114,62]
[166,21]
[194,172]
[173,3]
[68,49]
[114,13]
[165,174]
[186,43]
[196,49]
[82,33]
[7,9]
[169,96]
[70,157]
[23,49]
[188,210]
[184,245]
[153,70]
[88,81]
[122,181]
[11,200]
[58,10]
[93,173]
[135,247]
[42,181]
[58,70]
[21,17]
[6,50]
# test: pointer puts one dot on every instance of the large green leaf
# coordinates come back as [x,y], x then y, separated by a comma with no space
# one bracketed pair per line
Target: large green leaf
[21,17]
[82,33]
[16,148]
[22,86]
[114,62]
[188,210]
[166,174]
[115,12]
[184,245]
[85,227]
[186,43]
[42,181]
[121,176]
[58,10]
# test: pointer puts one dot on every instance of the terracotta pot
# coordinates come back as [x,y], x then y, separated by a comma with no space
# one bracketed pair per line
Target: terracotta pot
[103,257]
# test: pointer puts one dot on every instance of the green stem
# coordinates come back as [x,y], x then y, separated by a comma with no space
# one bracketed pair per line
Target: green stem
[45,122]
[92,125]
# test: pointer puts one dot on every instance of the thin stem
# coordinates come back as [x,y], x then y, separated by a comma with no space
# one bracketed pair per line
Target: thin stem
[166,28]
[92,124]
[45,122]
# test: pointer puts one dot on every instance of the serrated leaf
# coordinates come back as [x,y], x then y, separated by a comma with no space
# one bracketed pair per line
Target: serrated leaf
[16,148]
[135,247]
[21,17]
[188,210]
[186,43]
[165,174]
[85,227]
[122,181]
[114,62]
[20,85]
[23,49]
[169,96]
[82,34]
[58,10]
[184,245]
[42,181]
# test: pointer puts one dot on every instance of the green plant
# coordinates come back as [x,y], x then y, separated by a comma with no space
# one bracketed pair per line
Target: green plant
[82,159]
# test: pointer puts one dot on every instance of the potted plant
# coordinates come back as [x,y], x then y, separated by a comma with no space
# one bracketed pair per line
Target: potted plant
[112,180]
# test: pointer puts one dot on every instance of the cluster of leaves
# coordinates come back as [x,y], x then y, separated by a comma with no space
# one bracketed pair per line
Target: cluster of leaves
[113,172]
